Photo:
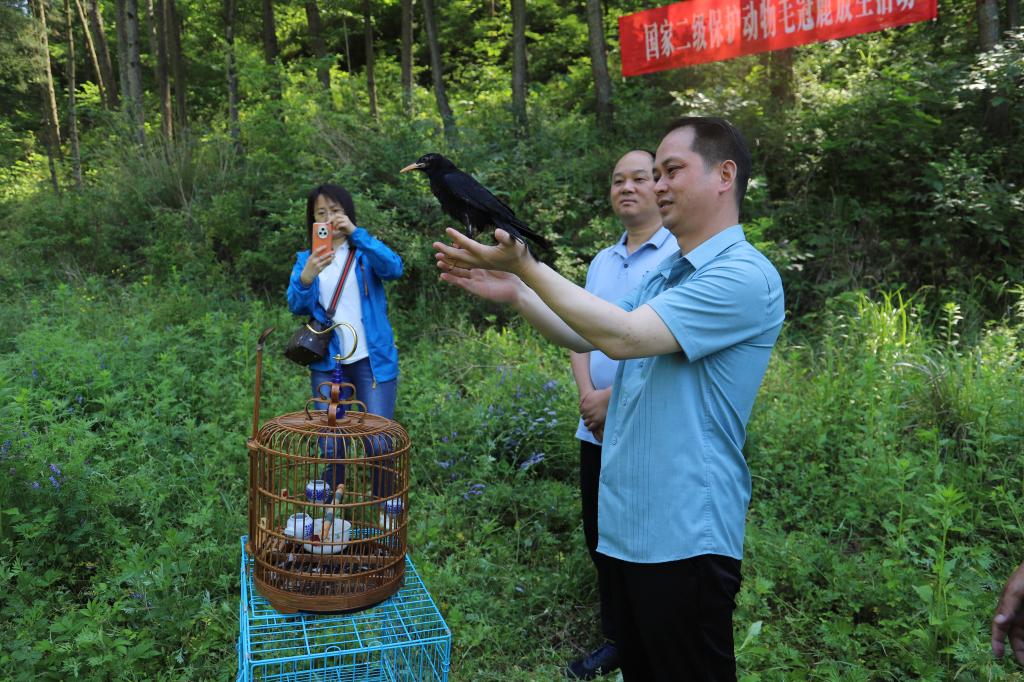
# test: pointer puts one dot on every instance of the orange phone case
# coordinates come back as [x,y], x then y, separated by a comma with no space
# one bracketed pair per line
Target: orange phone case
[323,235]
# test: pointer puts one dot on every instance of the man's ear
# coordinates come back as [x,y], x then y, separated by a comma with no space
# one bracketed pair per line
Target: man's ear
[726,176]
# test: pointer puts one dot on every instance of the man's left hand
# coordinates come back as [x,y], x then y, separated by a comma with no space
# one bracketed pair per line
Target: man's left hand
[1009,618]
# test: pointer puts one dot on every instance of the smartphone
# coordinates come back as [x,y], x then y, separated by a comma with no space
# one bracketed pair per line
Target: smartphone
[323,235]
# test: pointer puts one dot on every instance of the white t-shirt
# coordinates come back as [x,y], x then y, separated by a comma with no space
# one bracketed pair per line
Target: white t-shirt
[349,307]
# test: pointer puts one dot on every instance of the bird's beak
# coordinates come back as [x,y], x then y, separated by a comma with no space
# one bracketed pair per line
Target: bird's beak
[411,167]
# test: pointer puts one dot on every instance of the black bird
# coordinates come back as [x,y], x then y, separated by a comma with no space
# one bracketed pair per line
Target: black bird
[469,202]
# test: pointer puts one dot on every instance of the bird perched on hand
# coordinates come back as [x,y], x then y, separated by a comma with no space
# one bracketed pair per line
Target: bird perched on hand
[469,202]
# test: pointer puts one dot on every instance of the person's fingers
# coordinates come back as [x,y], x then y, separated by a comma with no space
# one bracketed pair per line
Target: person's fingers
[1000,628]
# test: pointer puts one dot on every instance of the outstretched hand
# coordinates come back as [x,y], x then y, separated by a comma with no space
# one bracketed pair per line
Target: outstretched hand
[491,285]
[1009,618]
[509,255]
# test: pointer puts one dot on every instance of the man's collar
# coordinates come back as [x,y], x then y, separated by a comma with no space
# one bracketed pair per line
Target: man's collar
[656,240]
[706,250]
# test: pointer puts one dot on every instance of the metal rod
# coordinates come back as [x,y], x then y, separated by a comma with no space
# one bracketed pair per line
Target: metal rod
[259,380]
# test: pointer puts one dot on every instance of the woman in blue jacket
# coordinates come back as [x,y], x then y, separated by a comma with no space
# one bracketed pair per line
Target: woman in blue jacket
[373,367]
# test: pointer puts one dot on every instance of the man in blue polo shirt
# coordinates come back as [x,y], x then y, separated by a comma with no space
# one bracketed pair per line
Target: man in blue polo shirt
[694,341]
[614,272]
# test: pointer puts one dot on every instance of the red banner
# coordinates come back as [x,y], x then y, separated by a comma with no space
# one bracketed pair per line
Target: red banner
[699,31]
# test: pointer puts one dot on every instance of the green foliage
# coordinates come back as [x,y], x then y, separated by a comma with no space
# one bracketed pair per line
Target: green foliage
[886,508]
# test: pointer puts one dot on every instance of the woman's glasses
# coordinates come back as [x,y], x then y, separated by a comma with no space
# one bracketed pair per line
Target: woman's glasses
[323,214]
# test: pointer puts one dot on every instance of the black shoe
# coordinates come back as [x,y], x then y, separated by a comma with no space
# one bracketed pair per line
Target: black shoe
[600,661]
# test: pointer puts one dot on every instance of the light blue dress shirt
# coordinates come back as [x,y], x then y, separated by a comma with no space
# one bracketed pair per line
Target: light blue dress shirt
[612,274]
[674,483]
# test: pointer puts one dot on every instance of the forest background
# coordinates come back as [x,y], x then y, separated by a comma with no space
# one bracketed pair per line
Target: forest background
[154,161]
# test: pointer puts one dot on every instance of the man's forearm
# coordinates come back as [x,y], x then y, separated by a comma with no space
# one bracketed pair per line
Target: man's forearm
[599,324]
[547,322]
[580,363]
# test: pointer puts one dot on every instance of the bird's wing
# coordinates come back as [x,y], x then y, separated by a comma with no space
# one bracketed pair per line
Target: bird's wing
[467,189]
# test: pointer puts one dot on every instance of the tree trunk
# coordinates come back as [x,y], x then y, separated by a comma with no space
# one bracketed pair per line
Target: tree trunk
[172,20]
[76,159]
[781,79]
[348,53]
[103,52]
[270,50]
[132,73]
[988,24]
[407,9]
[316,40]
[1013,13]
[519,62]
[91,46]
[437,71]
[232,73]
[49,95]
[158,46]
[122,50]
[371,83]
[599,64]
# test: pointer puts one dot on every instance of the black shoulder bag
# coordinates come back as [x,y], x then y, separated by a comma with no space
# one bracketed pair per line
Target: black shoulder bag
[309,344]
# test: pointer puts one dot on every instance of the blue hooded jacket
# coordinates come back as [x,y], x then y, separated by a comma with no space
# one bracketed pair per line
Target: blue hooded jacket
[374,263]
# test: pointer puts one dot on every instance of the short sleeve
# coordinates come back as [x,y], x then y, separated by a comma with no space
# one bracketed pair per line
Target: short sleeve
[718,307]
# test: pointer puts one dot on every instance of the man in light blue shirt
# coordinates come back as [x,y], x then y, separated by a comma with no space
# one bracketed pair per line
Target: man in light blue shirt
[694,341]
[615,271]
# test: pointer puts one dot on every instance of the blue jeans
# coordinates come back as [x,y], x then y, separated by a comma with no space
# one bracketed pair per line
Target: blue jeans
[379,398]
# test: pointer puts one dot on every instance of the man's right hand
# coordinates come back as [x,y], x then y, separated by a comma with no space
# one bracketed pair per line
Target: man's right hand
[594,409]
[492,285]
[1009,618]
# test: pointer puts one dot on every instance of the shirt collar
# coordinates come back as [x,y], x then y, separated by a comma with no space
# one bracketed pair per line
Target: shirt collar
[706,250]
[655,241]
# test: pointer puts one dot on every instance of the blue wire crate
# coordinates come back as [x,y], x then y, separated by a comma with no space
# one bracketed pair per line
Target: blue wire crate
[402,639]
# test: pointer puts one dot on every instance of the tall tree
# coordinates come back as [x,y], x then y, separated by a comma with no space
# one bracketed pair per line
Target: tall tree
[91,47]
[519,62]
[49,95]
[371,83]
[988,23]
[76,159]
[270,50]
[51,124]
[407,10]
[131,72]
[316,41]
[1013,13]
[102,51]
[158,47]
[599,63]
[172,20]
[232,74]
[437,71]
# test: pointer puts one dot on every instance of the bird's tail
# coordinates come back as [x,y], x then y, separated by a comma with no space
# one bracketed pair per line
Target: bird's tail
[520,230]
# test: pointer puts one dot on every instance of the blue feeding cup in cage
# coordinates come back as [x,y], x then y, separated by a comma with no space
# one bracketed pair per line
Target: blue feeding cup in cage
[317,491]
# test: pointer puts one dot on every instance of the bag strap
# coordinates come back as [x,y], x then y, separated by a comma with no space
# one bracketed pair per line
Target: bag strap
[341,284]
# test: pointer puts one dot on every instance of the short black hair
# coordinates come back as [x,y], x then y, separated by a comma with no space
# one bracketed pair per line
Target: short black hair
[338,194]
[716,140]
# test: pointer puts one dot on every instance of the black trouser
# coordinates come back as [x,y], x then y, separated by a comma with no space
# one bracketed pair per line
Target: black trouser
[590,474]
[675,618]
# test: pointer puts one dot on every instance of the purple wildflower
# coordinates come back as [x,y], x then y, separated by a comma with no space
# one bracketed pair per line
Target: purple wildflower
[475,489]
[535,458]
[5,448]
[444,439]
[445,464]
[55,482]
[56,469]
[550,385]
[35,373]
[35,485]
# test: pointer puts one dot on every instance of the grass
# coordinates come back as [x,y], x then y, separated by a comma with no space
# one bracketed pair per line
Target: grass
[886,507]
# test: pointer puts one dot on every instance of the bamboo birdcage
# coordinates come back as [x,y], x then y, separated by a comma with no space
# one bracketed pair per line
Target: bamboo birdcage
[343,472]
